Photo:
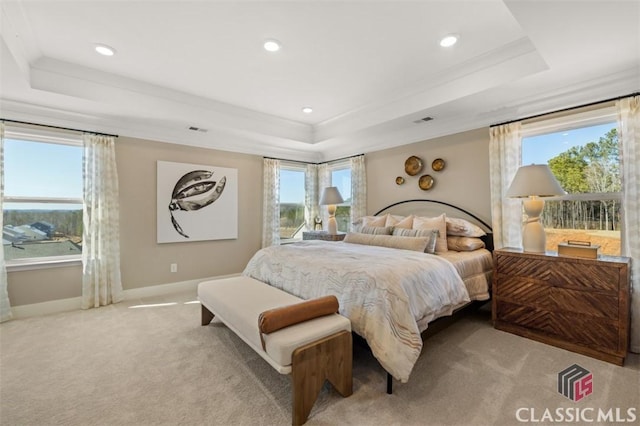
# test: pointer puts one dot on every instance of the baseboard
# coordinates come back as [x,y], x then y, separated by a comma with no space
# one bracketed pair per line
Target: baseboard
[75,303]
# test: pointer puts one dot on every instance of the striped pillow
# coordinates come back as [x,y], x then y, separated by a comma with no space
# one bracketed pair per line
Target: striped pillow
[376,230]
[431,233]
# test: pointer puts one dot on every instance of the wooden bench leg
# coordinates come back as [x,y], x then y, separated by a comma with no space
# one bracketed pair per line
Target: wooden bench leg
[206,316]
[330,359]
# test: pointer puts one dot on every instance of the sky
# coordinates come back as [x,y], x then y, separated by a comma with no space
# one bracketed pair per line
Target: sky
[42,169]
[539,149]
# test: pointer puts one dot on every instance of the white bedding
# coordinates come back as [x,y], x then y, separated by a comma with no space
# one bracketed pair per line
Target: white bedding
[384,292]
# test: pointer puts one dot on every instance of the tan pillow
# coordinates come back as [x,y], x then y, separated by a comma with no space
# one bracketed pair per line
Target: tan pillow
[376,230]
[400,221]
[438,223]
[374,220]
[431,233]
[463,228]
[404,243]
[464,243]
[278,318]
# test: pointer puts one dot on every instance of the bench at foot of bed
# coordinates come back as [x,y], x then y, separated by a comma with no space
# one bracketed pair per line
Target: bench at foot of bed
[305,338]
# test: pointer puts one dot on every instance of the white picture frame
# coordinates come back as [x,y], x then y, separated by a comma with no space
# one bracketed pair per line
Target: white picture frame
[196,202]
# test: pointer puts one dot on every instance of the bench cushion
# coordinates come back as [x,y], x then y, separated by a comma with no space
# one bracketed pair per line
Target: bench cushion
[238,302]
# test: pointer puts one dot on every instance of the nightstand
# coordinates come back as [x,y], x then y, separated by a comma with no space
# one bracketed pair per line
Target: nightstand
[577,304]
[322,235]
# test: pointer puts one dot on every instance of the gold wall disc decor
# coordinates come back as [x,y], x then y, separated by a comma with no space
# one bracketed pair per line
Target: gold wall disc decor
[426,182]
[413,165]
[438,164]
[399,180]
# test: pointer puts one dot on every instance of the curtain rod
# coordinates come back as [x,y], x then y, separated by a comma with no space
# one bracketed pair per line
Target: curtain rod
[57,127]
[308,162]
[565,109]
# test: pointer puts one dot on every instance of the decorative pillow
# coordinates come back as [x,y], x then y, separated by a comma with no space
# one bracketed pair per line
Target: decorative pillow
[463,228]
[404,243]
[374,220]
[376,230]
[431,233]
[430,223]
[400,221]
[464,243]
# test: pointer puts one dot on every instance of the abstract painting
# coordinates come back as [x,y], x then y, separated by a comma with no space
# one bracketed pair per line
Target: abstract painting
[196,202]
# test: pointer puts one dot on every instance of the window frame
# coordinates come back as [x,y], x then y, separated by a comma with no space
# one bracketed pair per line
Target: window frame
[571,121]
[297,167]
[50,137]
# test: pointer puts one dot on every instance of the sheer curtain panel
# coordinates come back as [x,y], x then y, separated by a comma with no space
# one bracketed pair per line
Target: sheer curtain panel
[101,282]
[629,138]
[358,188]
[505,148]
[270,202]
[5,306]
[311,196]
[324,181]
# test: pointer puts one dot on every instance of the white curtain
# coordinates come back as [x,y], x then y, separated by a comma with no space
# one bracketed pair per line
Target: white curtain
[358,188]
[324,180]
[270,202]
[629,138]
[5,306]
[505,148]
[311,196]
[101,282]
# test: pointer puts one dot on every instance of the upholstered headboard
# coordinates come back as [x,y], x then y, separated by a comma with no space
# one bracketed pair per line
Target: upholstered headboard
[429,208]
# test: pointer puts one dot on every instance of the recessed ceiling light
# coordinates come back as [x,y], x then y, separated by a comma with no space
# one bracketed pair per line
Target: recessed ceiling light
[105,50]
[449,40]
[307,110]
[272,45]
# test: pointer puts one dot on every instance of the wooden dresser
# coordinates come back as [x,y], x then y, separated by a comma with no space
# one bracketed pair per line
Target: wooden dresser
[581,305]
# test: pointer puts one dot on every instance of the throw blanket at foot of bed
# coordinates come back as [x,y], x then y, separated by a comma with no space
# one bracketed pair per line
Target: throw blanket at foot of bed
[305,338]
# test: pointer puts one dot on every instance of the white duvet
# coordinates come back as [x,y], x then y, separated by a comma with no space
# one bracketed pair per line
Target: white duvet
[383,291]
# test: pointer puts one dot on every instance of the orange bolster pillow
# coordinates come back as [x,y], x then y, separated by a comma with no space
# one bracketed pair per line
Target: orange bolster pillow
[277,318]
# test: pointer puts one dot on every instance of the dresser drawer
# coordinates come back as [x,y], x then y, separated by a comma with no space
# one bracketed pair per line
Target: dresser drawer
[562,272]
[601,333]
[538,294]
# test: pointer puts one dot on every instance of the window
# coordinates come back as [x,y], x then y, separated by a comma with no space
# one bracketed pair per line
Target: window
[582,152]
[42,203]
[292,194]
[341,178]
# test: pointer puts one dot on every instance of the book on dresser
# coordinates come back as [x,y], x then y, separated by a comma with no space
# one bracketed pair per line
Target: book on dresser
[578,304]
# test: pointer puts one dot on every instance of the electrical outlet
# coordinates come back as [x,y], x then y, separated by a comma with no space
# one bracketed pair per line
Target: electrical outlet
[174,267]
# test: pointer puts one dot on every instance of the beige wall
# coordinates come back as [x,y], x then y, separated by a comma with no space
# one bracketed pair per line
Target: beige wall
[464,182]
[143,261]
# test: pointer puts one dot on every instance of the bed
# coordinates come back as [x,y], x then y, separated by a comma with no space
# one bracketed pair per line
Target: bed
[389,294]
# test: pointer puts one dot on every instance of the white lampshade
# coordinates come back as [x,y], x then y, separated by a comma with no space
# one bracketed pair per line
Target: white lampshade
[536,180]
[331,195]
[533,182]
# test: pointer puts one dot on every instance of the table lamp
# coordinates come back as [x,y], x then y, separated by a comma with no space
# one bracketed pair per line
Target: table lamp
[330,197]
[534,182]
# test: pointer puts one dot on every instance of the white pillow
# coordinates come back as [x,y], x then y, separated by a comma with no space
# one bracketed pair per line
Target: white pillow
[463,228]
[464,243]
[400,221]
[430,223]
[374,220]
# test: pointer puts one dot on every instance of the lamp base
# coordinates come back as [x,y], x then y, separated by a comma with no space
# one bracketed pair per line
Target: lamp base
[332,226]
[534,239]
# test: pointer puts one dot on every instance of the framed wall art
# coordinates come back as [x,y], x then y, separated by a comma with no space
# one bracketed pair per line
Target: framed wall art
[196,202]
